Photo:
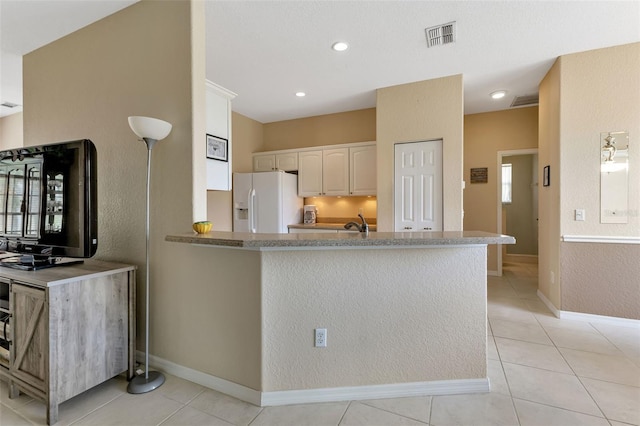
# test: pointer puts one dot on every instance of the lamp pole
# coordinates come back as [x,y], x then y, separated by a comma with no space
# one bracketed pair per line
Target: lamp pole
[151,379]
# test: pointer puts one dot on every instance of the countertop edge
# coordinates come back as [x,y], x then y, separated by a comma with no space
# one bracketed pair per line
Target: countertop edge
[329,241]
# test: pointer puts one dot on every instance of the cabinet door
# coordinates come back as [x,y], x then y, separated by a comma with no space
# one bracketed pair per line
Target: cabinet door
[264,163]
[29,350]
[335,171]
[310,173]
[287,162]
[362,170]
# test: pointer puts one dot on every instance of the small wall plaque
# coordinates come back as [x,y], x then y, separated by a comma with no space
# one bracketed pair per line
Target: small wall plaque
[479,175]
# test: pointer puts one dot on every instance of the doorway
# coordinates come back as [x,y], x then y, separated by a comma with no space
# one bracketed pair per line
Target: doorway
[518,205]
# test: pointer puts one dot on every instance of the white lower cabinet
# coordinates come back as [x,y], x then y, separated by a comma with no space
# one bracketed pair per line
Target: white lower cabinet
[320,231]
[312,231]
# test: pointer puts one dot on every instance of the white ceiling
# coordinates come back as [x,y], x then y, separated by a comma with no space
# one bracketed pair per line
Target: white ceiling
[265,51]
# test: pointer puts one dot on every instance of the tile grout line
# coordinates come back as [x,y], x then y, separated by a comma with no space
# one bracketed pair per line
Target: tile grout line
[18,413]
[573,370]
[344,413]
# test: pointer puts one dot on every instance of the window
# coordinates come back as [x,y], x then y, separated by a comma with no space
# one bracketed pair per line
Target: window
[506,183]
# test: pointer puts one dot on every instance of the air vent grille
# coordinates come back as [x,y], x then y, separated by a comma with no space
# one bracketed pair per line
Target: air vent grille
[441,34]
[524,100]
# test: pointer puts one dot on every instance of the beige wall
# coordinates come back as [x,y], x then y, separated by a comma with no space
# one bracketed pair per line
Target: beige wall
[601,279]
[330,129]
[247,137]
[583,95]
[429,325]
[600,93]
[85,85]
[421,111]
[484,135]
[549,197]
[521,217]
[11,134]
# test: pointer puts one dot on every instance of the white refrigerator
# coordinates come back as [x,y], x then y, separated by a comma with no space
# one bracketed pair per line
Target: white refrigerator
[265,202]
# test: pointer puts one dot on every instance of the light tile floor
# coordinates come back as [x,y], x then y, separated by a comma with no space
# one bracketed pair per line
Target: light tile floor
[543,371]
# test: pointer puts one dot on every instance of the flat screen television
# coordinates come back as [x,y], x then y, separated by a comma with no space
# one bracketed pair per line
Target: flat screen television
[48,204]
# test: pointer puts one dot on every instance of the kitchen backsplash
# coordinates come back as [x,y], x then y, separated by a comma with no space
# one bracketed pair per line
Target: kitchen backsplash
[330,208]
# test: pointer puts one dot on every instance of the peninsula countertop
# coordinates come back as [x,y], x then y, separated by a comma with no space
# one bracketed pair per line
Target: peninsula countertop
[249,241]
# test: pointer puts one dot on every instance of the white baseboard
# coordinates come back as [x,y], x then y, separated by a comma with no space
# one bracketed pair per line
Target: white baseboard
[235,390]
[548,303]
[354,393]
[579,316]
[493,273]
[305,396]
[600,319]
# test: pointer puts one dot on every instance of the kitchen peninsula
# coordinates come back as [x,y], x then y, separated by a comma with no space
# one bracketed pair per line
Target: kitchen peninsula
[405,313]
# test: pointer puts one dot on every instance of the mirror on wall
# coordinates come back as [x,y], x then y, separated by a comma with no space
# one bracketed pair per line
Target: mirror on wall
[614,181]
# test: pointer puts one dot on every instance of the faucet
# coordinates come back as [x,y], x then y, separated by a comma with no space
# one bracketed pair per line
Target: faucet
[364,227]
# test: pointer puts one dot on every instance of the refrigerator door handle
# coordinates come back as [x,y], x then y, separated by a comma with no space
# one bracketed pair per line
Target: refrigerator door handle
[252,212]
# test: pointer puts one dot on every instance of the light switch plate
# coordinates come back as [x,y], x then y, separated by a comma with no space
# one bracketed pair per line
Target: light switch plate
[580,215]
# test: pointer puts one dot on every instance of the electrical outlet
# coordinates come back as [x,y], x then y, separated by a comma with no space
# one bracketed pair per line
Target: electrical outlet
[321,337]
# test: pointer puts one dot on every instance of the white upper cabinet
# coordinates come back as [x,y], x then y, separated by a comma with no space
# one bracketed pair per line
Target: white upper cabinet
[362,170]
[287,161]
[310,173]
[264,163]
[335,171]
[218,111]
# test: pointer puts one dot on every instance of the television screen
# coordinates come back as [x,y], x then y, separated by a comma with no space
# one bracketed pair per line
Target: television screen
[48,202]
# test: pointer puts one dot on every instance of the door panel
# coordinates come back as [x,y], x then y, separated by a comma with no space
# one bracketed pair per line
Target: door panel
[418,186]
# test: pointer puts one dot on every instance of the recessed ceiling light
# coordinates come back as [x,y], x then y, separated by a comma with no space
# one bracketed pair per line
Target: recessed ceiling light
[498,94]
[340,46]
[301,94]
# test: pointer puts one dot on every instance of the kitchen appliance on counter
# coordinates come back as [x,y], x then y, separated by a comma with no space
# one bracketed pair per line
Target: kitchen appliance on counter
[265,202]
[310,214]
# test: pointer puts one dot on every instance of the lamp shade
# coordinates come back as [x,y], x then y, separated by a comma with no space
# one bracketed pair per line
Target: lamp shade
[150,128]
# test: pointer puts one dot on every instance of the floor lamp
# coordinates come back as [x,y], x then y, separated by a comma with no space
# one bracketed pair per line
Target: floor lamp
[151,130]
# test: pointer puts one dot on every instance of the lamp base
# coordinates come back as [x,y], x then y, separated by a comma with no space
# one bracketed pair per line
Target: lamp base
[140,384]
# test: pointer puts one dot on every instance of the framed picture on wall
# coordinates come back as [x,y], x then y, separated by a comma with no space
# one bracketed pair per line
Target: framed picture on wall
[217,148]
[546,177]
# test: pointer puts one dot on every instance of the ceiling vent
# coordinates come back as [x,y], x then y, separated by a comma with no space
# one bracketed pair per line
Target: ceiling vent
[9,104]
[441,34]
[524,100]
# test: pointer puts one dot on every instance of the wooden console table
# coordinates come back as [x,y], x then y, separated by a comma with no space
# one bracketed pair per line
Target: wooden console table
[71,328]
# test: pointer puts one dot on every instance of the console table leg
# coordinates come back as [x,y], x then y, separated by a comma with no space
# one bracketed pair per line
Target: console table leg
[52,412]
[14,392]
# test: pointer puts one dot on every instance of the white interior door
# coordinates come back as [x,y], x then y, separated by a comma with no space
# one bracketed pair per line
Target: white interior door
[418,186]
